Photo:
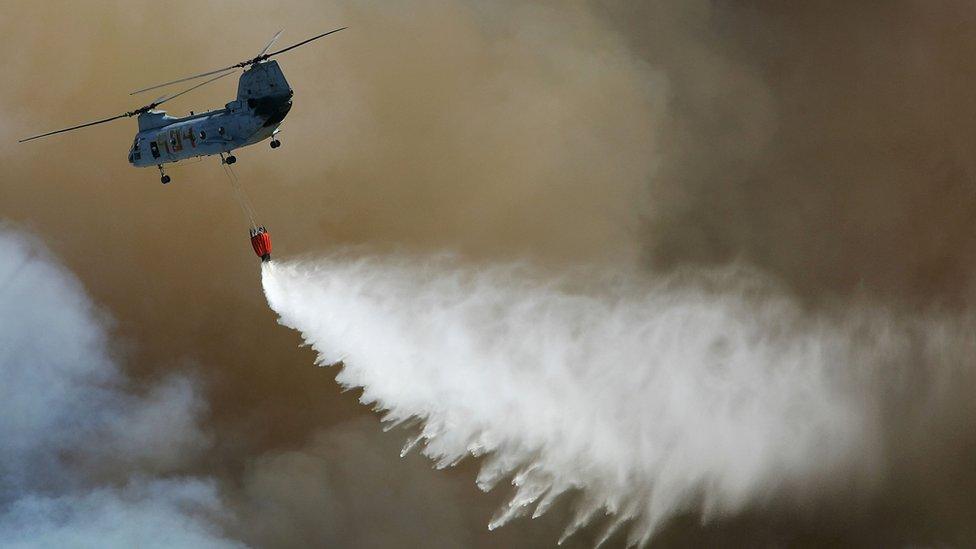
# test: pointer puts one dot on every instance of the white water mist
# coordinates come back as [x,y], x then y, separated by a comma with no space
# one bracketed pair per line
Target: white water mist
[639,399]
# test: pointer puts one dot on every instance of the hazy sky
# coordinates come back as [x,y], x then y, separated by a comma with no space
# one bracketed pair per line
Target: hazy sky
[827,146]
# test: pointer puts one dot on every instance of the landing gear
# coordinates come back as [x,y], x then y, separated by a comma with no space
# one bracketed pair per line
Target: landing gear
[162,176]
[275,143]
[230,159]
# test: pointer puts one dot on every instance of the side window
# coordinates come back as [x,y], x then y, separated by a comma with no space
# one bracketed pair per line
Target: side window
[154,149]
[190,136]
[175,140]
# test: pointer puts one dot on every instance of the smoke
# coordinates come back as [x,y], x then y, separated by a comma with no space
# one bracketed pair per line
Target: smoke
[94,458]
[88,459]
[347,486]
[827,144]
[640,398]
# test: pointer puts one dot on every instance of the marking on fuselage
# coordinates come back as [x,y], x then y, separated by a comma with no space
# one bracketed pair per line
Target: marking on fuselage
[190,135]
[176,139]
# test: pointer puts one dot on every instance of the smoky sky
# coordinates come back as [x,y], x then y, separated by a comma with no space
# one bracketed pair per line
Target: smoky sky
[89,458]
[827,145]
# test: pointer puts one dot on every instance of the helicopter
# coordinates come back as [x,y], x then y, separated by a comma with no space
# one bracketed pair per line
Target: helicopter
[263,100]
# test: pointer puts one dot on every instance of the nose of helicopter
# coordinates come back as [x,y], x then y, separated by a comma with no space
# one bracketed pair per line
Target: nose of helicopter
[135,152]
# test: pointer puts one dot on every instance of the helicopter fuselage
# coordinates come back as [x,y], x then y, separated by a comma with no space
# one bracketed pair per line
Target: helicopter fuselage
[263,101]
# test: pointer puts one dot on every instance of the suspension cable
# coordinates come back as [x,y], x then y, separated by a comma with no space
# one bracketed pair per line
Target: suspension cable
[240,195]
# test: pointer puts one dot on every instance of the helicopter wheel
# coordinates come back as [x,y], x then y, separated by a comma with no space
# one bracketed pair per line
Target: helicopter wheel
[275,143]
[230,159]
[164,179]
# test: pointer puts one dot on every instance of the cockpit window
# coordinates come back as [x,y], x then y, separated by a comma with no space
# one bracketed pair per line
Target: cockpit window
[135,144]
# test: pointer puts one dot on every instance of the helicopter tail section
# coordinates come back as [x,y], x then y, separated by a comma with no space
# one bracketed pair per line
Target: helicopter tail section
[263,89]
[262,80]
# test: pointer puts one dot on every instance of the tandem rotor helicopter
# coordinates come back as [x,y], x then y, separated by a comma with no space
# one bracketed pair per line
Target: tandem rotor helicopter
[263,101]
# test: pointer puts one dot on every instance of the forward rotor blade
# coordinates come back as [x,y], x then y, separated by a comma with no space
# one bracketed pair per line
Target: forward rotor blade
[302,43]
[140,110]
[174,96]
[74,127]
[194,77]
[271,43]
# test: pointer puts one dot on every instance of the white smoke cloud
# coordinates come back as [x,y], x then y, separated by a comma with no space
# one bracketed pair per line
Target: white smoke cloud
[79,444]
[641,398]
[153,514]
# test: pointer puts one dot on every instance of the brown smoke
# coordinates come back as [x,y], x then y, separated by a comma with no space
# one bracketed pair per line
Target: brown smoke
[828,144]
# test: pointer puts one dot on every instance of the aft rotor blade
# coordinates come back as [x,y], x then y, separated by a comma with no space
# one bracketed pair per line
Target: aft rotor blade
[164,99]
[75,127]
[194,77]
[271,43]
[302,43]
[258,59]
